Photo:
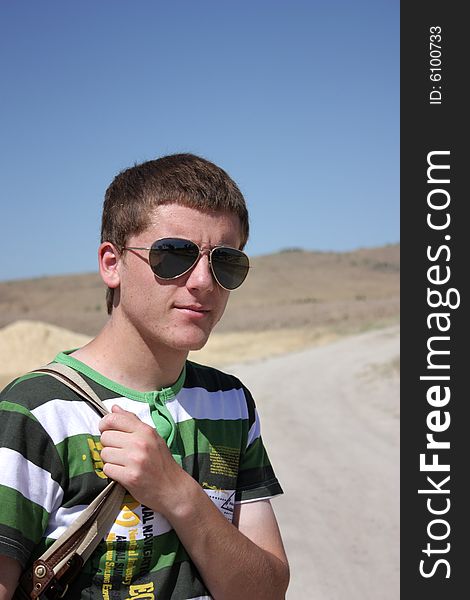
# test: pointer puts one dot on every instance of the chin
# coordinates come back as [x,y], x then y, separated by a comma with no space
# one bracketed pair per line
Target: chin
[189,337]
[192,343]
[197,345]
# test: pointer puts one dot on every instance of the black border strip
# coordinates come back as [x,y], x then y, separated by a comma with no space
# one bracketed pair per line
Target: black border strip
[434,256]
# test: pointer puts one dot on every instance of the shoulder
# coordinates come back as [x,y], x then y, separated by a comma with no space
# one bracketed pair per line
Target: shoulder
[211,379]
[33,390]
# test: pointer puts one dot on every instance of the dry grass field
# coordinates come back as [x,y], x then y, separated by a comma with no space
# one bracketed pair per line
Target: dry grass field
[294,291]
[291,300]
[287,290]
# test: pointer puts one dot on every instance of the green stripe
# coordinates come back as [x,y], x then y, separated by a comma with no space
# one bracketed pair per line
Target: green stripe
[209,378]
[24,377]
[201,464]
[20,513]
[82,489]
[150,555]
[173,582]
[255,456]
[255,478]
[164,394]
[22,433]
[34,390]
[81,454]
[198,436]
[169,550]
[15,407]
[269,489]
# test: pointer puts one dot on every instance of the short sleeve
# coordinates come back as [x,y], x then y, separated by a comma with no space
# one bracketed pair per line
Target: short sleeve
[29,473]
[256,478]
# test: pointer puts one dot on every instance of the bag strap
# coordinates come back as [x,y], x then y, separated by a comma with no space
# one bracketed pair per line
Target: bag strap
[73,380]
[54,570]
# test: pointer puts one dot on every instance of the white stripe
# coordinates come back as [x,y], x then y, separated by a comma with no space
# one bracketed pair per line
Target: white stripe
[141,409]
[255,431]
[132,521]
[64,418]
[34,483]
[202,598]
[198,403]
[127,521]
[61,519]
[257,499]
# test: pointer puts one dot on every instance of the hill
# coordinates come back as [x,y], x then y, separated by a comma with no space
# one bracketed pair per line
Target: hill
[291,300]
[287,290]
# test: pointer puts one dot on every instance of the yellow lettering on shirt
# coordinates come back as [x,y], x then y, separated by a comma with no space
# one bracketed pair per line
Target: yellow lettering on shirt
[95,449]
[143,591]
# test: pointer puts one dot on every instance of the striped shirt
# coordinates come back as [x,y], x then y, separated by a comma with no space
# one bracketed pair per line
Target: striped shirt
[51,470]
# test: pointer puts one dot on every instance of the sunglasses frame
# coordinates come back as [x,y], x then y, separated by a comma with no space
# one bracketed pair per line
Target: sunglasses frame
[202,252]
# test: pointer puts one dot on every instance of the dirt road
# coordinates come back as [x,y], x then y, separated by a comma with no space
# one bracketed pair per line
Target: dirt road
[330,418]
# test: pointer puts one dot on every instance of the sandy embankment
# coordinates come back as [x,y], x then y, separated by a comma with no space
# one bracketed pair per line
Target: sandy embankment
[330,417]
[26,345]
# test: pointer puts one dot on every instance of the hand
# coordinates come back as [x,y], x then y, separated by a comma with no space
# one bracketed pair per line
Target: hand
[138,458]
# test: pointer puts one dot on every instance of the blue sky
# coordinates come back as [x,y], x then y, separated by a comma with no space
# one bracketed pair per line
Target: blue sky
[298,101]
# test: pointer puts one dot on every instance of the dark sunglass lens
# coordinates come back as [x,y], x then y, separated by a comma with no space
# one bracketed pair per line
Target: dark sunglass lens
[171,257]
[230,267]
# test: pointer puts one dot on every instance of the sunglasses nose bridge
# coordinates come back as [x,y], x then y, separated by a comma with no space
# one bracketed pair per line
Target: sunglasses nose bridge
[204,252]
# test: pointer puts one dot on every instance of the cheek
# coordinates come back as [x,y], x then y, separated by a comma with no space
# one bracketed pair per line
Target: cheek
[225,295]
[138,288]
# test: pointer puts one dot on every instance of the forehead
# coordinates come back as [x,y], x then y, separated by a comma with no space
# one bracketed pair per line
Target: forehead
[200,226]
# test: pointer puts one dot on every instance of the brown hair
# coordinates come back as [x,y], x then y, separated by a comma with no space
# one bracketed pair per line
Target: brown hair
[178,178]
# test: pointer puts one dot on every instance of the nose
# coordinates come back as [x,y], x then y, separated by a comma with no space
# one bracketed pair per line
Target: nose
[200,277]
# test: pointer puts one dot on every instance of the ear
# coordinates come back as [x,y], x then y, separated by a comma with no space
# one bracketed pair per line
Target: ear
[108,261]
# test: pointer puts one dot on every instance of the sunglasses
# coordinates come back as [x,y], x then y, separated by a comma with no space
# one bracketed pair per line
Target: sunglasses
[170,258]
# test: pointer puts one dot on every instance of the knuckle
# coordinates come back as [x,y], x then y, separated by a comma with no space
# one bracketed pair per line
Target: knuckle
[132,478]
[141,446]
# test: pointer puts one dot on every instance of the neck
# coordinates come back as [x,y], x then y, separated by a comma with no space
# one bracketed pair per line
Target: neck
[120,353]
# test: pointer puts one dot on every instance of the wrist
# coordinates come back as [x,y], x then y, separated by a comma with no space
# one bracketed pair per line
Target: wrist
[182,499]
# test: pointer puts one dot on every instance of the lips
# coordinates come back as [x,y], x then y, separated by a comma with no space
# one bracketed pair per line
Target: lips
[196,308]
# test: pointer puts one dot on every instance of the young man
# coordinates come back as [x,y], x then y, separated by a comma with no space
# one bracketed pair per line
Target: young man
[183,439]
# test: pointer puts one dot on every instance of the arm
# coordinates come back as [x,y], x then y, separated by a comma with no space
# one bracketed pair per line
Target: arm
[10,571]
[242,561]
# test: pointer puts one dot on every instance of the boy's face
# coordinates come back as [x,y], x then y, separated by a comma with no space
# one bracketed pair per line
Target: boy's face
[177,314]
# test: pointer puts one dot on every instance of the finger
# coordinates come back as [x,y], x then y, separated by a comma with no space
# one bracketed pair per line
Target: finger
[120,421]
[116,472]
[115,456]
[114,439]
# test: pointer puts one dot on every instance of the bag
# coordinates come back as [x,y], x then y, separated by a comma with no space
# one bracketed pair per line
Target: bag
[50,575]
